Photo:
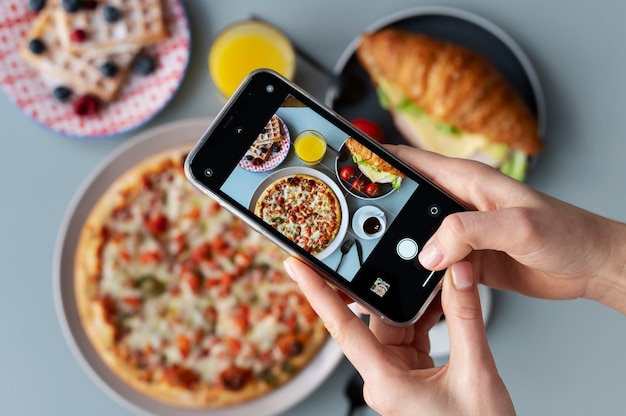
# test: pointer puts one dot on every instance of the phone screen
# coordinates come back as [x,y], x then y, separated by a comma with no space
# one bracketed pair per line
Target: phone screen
[329,194]
[300,145]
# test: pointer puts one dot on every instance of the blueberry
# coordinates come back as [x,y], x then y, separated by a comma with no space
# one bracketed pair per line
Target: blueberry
[249,158]
[111,14]
[36,5]
[276,148]
[263,149]
[71,6]
[108,69]
[144,65]
[36,46]
[62,93]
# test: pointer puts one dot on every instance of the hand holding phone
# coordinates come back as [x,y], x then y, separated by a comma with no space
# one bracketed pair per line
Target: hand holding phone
[315,185]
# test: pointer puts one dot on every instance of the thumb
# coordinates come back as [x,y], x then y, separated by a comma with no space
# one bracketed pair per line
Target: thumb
[461,307]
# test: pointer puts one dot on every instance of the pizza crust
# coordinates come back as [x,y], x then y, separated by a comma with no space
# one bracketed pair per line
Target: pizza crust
[113,346]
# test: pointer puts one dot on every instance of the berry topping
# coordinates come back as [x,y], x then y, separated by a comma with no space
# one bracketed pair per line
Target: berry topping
[144,65]
[36,5]
[89,4]
[78,35]
[62,93]
[249,158]
[111,14]
[86,105]
[71,6]
[276,148]
[257,161]
[108,69]
[36,46]
[263,149]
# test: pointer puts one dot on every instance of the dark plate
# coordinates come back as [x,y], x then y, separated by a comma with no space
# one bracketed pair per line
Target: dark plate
[356,97]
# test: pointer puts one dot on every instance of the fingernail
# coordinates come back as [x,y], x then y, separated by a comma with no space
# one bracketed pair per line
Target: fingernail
[462,276]
[289,270]
[431,255]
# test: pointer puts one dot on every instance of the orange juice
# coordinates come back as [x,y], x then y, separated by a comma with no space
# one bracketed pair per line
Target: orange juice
[243,47]
[310,146]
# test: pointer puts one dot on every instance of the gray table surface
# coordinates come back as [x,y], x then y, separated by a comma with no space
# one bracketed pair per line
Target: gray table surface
[556,357]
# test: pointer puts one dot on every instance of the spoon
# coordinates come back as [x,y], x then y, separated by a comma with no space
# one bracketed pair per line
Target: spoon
[354,392]
[345,247]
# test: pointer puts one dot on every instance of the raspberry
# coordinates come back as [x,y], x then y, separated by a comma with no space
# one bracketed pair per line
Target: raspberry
[78,35]
[86,105]
[89,4]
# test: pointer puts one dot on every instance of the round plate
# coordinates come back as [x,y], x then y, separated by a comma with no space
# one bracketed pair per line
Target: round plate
[140,99]
[123,158]
[358,97]
[275,159]
[343,227]
[385,188]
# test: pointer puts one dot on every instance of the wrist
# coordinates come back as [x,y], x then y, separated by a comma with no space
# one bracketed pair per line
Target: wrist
[609,283]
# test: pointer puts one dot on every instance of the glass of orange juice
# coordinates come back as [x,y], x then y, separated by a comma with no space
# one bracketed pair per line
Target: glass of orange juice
[310,146]
[245,46]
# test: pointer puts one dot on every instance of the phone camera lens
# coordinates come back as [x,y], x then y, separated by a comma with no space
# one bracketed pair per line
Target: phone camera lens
[269,88]
[239,130]
[208,172]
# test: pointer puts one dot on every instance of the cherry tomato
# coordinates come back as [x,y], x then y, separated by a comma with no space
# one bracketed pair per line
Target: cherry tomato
[358,185]
[346,173]
[370,128]
[372,189]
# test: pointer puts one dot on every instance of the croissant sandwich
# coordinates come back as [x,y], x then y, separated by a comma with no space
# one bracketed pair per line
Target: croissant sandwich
[449,99]
[373,166]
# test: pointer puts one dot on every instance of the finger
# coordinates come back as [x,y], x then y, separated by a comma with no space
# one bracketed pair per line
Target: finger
[464,232]
[475,184]
[354,338]
[461,306]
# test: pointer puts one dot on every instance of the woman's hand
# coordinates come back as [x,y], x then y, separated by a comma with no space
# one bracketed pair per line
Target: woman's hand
[520,239]
[398,373]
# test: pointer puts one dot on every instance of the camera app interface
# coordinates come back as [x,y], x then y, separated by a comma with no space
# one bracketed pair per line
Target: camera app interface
[319,187]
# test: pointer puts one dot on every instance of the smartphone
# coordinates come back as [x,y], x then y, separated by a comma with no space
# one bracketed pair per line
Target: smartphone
[311,182]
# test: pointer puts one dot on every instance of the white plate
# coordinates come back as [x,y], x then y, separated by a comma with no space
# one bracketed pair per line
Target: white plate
[454,25]
[123,158]
[343,227]
[141,98]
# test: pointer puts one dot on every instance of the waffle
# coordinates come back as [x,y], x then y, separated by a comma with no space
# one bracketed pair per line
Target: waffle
[141,22]
[80,72]
[273,134]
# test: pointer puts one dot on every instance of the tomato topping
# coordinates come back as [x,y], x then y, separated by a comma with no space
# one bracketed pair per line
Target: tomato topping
[157,223]
[370,128]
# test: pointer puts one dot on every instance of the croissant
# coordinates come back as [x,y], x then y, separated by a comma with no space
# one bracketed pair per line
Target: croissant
[371,158]
[451,84]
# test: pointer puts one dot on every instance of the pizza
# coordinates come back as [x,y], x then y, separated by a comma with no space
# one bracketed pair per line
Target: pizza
[303,208]
[181,299]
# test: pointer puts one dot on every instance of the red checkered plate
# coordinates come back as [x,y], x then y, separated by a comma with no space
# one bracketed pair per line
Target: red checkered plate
[275,159]
[141,98]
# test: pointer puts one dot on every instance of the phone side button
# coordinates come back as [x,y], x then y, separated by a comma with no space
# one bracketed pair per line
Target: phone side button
[407,249]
